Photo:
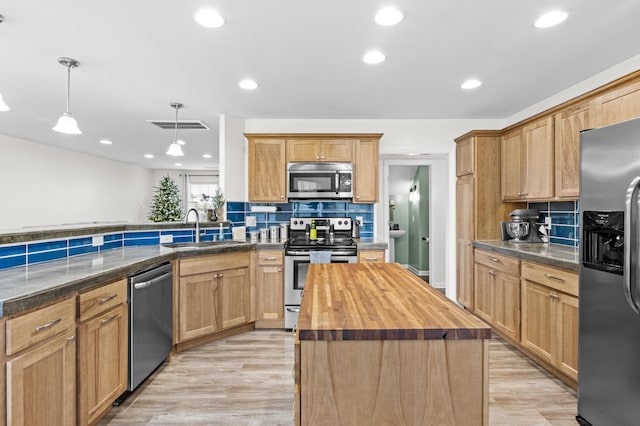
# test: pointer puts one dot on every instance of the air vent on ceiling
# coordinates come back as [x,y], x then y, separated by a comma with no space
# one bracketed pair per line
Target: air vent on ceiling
[182,124]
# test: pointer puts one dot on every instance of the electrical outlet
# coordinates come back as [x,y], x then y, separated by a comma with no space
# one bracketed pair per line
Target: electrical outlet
[360,220]
[547,222]
[97,241]
[250,220]
[166,239]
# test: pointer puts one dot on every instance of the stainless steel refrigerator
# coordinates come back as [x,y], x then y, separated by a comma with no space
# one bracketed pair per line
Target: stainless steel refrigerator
[609,310]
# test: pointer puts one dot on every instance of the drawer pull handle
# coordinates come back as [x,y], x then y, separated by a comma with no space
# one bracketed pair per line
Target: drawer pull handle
[491,273]
[370,258]
[108,320]
[47,325]
[494,259]
[552,277]
[269,258]
[106,299]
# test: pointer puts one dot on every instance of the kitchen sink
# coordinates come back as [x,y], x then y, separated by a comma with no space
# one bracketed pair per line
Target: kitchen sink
[201,244]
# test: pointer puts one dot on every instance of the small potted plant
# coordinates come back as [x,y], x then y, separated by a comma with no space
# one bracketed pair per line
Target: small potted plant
[218,203]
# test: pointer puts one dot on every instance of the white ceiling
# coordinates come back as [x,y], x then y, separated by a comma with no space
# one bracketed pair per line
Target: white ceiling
[138,56]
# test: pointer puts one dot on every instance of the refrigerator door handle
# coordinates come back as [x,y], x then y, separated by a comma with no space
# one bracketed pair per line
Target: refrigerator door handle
[631,242]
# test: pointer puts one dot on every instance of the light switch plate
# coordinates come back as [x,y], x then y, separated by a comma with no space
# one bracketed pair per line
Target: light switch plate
[360,220]
[166,239]
[97,240]
[547,222]
[250,220]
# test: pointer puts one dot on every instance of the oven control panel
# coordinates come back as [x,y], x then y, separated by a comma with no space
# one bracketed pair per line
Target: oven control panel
[339,223]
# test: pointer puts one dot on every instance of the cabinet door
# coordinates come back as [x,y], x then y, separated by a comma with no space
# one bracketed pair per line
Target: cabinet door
[267,170]
[566,353]
[506,304]
[198,301]
[568,125]
[303,150]
[336,150]
[618,105]
[464,276]
[366,171]
[511,160]
[464,157]
[538,176]
[41,385]
[102,362]
[538,312]
[483,279]
[235,297]
[270,293]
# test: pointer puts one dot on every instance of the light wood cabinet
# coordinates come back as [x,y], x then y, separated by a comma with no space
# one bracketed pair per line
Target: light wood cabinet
[550,316]
[617,105]
[267,170]
[568,125]
[313,150]
[103,345]
[365,179]
[528,162]
[497,291]
[270,289]
[370,256]
[41,371]
[479,209]
[214,293]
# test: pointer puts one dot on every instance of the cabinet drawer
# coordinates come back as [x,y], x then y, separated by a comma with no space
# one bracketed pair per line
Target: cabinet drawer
[217,262]
[559,279]
[502,263]
[266,258]
[36,327]
[371,256]
[103,298]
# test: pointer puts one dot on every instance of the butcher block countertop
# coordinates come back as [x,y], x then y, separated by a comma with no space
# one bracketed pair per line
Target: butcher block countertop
[379,301]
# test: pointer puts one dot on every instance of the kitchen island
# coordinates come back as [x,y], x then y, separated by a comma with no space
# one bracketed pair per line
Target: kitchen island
[377,345]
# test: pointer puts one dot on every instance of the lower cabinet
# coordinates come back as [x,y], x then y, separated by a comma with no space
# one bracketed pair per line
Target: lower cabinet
[270,289]
[550,316]
[214,293]
[103,344]
[41,366]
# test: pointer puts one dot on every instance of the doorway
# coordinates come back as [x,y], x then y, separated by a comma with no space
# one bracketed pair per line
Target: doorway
[416,200]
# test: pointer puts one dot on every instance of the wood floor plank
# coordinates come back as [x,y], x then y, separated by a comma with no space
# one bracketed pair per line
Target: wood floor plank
[247,380]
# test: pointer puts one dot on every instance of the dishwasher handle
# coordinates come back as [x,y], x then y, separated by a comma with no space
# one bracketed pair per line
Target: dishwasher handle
[144,284]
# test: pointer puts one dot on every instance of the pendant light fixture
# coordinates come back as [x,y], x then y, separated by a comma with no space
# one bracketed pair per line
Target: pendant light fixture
[175,149]
[66,123]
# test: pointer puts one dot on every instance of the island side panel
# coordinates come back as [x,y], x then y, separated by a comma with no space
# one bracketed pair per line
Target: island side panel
[411,382]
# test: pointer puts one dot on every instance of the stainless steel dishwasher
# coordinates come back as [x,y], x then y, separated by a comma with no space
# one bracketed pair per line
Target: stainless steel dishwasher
[150,321]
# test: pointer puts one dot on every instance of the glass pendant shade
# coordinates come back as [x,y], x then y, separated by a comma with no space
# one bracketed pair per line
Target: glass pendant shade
[175,150]
[3,106]
[67,124]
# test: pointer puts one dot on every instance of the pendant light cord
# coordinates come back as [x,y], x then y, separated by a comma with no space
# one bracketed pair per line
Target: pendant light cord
[68,86]
[177,108]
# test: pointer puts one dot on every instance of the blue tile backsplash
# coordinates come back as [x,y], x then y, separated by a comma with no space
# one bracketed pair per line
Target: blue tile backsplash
[565,221]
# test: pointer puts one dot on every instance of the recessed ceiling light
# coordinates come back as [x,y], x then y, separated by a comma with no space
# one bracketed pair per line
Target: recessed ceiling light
[248,84]
[181,142]
[148,156]
[471,84]
[551,18]
[178,164]
[105,142]
[374,57]
[389,16]
[209,18]
[206,156]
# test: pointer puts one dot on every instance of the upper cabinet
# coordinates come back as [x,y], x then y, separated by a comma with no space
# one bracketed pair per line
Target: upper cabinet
[339,150]
[568,124]
[267,170]
[528,162]
[464,157]
[365,180]
[617,105]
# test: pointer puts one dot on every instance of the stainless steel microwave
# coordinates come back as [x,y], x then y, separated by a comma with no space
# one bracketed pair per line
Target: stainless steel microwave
[320,180]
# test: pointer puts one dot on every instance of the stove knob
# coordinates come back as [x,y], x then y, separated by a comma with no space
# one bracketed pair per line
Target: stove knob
[339,222]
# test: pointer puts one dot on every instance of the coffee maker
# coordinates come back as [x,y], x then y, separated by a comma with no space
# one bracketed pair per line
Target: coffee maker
[522,227]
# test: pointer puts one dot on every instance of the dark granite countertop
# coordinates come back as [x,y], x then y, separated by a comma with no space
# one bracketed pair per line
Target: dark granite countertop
[560,256]
[371,244]
[27,287]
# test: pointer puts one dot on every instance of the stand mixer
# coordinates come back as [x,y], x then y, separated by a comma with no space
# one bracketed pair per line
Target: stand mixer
[522,228]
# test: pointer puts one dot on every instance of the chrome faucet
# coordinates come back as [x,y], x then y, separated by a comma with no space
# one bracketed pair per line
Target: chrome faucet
[186,218]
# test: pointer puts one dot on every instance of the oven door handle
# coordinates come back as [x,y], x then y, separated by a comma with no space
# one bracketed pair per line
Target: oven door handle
[294,310]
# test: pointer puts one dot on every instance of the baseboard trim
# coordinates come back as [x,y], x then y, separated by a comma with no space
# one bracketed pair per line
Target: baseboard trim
[417,271]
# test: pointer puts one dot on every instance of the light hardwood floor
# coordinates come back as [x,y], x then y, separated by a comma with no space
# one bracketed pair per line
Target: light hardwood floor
[246,380]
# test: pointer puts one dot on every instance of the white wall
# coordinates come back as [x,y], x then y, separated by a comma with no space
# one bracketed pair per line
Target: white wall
[233,158]
[42,185]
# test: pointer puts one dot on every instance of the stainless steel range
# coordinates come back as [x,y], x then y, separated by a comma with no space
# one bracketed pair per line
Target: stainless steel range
[334,244]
